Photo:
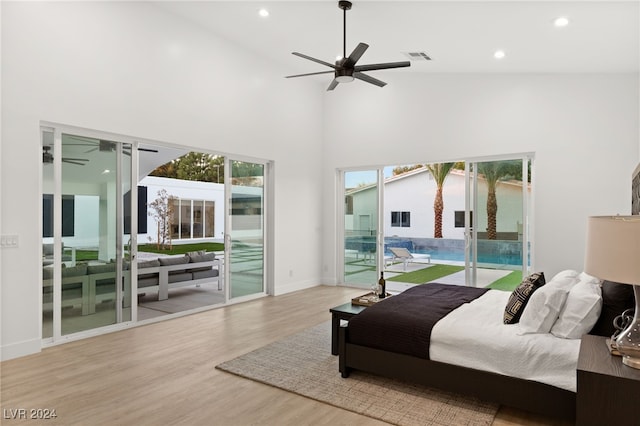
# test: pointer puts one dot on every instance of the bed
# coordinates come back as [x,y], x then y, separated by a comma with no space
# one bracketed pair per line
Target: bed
[471,351]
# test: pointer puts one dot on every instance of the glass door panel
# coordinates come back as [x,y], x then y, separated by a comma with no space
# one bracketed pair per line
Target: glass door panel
[360,248]
[245,236]
[498,197]
[87,184]
[48,252]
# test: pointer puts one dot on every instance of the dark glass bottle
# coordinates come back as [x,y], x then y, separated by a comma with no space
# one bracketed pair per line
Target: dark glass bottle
[382,285]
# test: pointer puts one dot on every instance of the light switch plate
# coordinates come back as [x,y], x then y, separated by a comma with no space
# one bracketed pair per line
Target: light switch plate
[9,241]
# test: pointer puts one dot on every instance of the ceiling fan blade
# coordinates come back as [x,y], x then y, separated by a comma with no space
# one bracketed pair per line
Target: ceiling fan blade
[384,66]
[311,73]
[355,55]
[153,150]
[72,162]
[81,139]
[74,159]
[333,85]
[369,79]
[313,59]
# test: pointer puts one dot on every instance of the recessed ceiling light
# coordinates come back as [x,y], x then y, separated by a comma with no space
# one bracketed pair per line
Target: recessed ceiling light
[499,54]
[561,21]
[263,12]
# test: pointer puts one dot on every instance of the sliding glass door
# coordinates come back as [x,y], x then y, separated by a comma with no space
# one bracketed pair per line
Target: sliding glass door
[86,277]
[361,227]
[498,199]
[461,222]
[245,236]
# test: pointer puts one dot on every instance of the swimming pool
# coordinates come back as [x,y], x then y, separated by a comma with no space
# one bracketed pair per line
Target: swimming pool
[497,252]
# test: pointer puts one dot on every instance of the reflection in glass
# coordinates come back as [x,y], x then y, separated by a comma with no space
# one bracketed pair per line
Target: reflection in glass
[246,269]
[360,227]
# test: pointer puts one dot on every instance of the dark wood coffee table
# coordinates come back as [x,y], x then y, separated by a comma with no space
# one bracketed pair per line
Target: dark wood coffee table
[342,312]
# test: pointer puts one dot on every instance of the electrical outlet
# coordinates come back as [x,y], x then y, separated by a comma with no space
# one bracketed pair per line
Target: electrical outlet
[9,241]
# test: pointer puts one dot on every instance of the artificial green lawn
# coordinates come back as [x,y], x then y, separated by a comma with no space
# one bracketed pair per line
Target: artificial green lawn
[182,248]
[84,255]
[508,282]
[427,274]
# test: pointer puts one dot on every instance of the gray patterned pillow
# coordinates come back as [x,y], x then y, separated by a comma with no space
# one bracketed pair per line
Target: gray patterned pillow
[521,296]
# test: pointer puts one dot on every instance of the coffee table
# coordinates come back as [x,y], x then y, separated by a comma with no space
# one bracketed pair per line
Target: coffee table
[342,312]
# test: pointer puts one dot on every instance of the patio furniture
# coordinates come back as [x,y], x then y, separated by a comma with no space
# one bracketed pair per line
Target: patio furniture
[406,256]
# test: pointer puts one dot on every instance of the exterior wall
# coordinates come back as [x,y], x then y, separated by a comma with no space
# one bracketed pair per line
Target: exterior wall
[415,192]
[188,190]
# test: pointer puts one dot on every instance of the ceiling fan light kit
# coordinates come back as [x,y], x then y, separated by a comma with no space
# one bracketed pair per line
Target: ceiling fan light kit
[345,69]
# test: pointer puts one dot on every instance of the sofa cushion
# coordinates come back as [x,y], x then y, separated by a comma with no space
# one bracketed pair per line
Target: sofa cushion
[101,269]
[148,280]
[174,260]
[204,257]
[74,271]
[177,260]
[208,273]
[154,263]
[179,277]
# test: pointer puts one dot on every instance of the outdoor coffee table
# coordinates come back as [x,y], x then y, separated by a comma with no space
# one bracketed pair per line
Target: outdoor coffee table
[342,312]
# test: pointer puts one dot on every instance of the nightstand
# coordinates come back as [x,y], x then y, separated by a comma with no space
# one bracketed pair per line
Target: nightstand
[342,312]
[607,389]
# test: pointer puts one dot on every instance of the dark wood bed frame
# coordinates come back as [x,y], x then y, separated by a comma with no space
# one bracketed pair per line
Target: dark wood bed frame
[510,391]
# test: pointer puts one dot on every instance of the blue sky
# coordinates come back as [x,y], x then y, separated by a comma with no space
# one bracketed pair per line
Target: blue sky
[353,179]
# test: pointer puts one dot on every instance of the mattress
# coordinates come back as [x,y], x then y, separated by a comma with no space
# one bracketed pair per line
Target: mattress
[474,336]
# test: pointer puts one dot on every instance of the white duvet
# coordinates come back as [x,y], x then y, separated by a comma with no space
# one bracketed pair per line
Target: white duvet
[474,336]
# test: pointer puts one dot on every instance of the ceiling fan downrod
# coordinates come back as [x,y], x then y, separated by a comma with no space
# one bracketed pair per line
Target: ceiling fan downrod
[344,5]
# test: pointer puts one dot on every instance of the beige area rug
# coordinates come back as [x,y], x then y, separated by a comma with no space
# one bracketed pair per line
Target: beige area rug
[303,364]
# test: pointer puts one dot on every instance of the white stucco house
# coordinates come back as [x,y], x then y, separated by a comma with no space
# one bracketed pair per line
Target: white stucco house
[408,206]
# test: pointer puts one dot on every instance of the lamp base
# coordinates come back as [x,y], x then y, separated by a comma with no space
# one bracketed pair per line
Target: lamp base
[631,362]
[628,342]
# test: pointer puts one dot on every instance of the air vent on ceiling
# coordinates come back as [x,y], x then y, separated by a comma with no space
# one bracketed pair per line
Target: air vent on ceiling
[417,56]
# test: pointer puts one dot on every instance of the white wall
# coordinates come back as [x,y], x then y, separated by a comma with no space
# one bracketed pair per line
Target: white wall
[583,129]
[133,69]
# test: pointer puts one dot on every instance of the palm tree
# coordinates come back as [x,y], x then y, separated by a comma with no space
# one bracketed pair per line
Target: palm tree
[493,172]
[439,171]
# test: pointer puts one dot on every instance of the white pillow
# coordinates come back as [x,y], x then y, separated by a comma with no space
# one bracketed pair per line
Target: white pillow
[580,312]
[567,273]
[543,308]
[584,277]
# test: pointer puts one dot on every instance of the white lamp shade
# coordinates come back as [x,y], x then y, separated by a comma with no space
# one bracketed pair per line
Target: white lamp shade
[613,248]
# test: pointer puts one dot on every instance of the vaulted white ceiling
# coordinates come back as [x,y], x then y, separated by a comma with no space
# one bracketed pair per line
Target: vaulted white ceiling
[459,36]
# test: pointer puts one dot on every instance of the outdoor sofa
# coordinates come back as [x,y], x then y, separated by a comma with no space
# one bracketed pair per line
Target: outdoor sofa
[86,285]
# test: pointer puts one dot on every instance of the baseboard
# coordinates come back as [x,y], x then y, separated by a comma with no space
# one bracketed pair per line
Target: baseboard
[291,287]
[20,349]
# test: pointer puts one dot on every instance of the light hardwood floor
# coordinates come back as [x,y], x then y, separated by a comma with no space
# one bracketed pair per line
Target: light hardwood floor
[163,373]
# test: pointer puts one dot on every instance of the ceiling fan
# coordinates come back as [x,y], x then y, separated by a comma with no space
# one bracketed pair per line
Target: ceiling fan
[345,68]
[103,145]
[47,158]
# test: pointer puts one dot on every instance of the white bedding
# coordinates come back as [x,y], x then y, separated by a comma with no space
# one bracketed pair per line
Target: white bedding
[474,336]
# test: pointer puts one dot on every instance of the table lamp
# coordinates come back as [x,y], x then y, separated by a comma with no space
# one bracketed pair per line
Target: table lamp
[613,254]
